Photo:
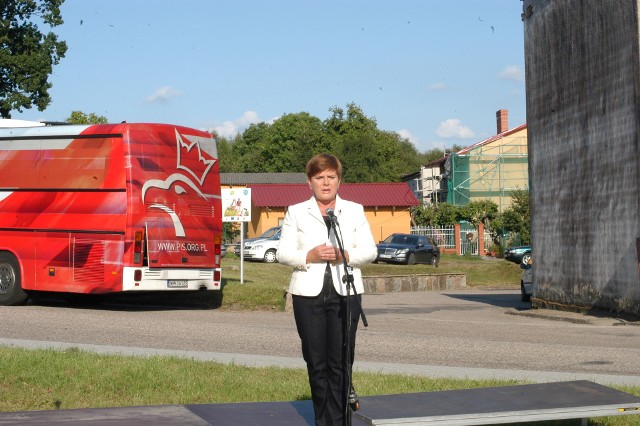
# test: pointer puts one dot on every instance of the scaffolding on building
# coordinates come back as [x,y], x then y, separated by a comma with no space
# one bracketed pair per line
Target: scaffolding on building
[488,171]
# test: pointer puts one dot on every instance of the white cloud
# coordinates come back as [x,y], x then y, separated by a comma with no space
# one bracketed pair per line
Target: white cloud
[231,128]
[163,94]
[438,145]
[419,144]
[453,128]
[512,72]
[405,134]
[436,87]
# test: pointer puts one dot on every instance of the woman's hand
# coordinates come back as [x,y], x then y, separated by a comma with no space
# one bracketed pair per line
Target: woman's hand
[324,253]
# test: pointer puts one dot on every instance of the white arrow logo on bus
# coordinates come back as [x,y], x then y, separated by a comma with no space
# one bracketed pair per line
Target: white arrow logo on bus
[183,149]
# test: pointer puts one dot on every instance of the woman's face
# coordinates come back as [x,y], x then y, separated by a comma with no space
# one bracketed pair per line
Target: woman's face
[325,185]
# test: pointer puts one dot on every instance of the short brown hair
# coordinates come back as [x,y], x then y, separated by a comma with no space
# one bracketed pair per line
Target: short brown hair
[322,162]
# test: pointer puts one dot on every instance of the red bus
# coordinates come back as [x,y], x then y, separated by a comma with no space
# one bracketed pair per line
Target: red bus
[108,208]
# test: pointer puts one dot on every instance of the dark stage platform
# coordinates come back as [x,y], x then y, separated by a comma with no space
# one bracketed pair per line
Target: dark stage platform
[509,404]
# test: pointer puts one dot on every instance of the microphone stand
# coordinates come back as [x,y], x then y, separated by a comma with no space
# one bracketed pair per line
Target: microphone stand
[352,398]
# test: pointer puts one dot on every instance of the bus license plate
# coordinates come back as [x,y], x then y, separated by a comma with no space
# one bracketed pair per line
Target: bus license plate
[177,284]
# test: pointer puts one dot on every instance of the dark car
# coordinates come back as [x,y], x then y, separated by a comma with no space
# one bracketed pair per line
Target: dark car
[526,280]
[408,249]
[518,254]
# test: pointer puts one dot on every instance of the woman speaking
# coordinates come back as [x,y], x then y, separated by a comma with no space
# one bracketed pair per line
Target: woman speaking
[309,244]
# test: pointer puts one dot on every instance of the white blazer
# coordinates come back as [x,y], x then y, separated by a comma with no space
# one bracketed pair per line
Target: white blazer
[304,228]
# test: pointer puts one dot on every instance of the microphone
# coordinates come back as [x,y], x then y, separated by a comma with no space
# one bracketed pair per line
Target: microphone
[332,215]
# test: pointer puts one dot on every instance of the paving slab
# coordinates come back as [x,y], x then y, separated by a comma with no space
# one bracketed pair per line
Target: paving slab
[495,405]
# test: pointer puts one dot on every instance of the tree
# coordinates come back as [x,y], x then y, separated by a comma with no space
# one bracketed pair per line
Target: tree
[245,148]
[79,117]
[291,141]
[284,146]
[424,216]
[354,121]
[437,153]
[441,214]
[517,217]
[27,55]
[229,232]
[225,154]
[476,212]
[368,153]
[444,214]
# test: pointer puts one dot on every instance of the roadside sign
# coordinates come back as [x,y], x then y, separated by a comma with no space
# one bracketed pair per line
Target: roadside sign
[236,204]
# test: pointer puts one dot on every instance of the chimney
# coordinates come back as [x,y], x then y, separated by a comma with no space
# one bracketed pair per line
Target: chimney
[502,120]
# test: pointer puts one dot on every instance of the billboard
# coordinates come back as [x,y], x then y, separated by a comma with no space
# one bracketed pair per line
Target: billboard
[236,204]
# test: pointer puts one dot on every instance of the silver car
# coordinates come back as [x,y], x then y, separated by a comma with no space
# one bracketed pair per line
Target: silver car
[264,250]
[266,234]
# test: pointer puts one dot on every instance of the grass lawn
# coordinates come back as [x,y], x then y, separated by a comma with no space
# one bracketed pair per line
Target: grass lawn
[265,284]
[51,379]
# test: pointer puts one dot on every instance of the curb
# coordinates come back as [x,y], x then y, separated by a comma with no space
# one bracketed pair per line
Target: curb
[572,317]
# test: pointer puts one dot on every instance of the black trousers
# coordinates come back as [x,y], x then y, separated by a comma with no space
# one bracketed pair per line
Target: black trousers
[322,329]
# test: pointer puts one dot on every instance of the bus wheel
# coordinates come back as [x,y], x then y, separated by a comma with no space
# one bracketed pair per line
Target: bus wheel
[11,292]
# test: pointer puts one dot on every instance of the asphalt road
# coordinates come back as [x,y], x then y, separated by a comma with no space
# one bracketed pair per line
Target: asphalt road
[462,333]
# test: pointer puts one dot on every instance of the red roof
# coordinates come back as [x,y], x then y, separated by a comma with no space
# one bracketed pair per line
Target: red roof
[368,194]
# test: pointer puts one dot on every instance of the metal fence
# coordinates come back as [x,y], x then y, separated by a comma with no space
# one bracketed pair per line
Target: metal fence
[488,241]
[444,236]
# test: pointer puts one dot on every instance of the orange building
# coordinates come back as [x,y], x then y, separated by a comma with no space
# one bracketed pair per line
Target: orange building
[387,206]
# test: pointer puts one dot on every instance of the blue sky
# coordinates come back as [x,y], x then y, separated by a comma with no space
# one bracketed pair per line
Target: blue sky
[435,71]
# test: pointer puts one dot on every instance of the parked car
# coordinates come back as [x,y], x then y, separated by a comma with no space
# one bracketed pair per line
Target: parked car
[266,234]
[408,249]
[223,250]
[526,280]
[263,250]
[518,254]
